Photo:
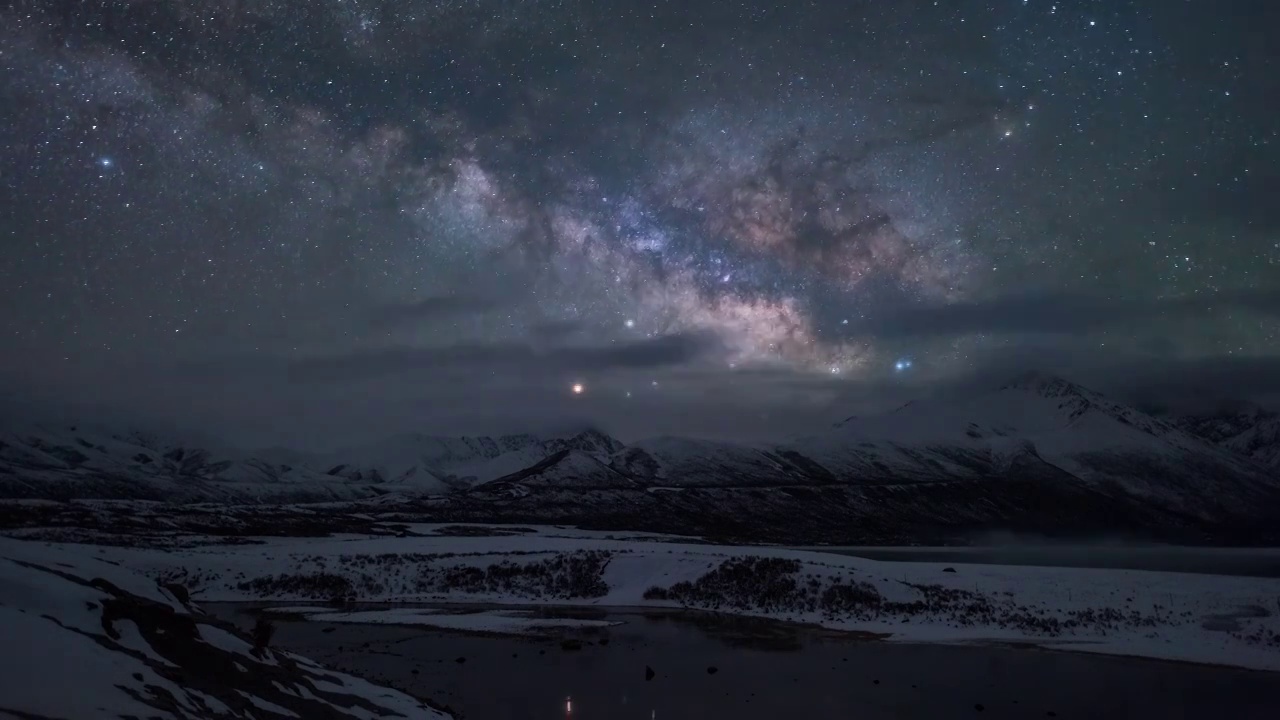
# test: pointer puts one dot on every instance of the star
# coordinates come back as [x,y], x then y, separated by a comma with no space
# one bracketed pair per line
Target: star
[782,207]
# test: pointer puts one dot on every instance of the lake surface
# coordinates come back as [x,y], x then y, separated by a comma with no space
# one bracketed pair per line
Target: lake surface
[762,670]
[1255,562]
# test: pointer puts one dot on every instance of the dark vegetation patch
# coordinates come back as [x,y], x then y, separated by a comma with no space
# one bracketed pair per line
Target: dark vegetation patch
[778,585]
[309,585]
[565,576]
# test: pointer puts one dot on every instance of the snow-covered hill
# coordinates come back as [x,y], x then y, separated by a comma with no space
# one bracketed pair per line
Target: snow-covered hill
[85,638]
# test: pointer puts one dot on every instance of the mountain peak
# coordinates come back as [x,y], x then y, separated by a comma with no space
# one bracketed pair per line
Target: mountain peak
[1048,385]
[590,440]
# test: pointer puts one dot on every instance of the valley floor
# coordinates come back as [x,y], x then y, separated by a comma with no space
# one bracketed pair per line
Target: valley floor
[1224,620]
[531,611]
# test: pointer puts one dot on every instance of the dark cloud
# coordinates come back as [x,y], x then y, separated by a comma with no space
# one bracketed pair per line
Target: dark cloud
[1175,380]
[1141,377]
[429,309]
[634,390]
[555,331]
[1054,314]
[660,352]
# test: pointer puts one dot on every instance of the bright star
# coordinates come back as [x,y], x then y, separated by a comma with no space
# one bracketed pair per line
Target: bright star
[578,388]
[106,162]
[630,324]
[902,365]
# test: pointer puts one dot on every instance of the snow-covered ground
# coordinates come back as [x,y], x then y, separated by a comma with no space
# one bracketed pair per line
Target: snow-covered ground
[86,638]
[1199,618]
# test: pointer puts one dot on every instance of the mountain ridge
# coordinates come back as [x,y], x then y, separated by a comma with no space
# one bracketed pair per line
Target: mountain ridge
[1036,450]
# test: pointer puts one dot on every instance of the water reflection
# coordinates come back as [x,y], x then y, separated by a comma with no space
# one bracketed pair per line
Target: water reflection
[699,666]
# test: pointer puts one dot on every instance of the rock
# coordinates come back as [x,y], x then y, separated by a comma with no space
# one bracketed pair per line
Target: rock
[648,673]
[712,670]
[948,569]
[179,592]
[978,707]
[460,660]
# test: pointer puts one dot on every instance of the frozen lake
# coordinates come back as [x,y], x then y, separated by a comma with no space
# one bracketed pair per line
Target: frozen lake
[762,670]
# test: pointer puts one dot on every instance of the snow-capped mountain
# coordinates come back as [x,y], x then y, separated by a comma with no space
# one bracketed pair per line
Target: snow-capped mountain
[1039,455]
[1039,419]
[78,461]
[1249,430]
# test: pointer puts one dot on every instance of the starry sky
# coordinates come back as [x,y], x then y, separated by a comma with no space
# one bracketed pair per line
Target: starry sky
[311,222]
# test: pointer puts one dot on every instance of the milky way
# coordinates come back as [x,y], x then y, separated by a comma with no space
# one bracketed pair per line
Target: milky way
[193,180]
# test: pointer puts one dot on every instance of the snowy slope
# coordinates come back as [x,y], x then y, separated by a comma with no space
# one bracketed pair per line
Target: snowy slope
[1250,431]
[1036,407]
[433,464]
[703,463]
[136,650]
[567,469]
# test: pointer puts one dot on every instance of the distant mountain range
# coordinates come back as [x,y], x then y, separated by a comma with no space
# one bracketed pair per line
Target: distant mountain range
[1250,430]
[1037,455]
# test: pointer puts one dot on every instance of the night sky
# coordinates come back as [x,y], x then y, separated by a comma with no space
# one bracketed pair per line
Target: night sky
[302,222]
